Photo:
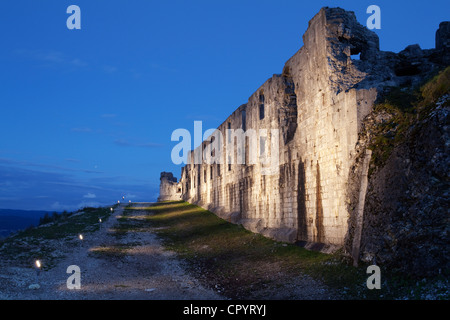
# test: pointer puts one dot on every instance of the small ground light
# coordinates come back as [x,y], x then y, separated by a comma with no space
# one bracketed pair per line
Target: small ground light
[118,201]
[129,201]
[81,240]
[38,265]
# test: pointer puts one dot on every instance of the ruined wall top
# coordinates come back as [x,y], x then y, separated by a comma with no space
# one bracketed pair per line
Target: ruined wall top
[168,176]
[339,54]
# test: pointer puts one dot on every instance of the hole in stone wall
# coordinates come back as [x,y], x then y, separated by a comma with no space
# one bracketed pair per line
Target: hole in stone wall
[356,56]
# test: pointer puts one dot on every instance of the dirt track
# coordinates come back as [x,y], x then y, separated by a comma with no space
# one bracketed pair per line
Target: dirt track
[138,268]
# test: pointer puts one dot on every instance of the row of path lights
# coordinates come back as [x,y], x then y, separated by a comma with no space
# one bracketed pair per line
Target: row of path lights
[38,263]
[80,236]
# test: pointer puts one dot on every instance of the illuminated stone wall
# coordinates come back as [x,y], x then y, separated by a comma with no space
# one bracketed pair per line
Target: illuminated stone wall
[317,104]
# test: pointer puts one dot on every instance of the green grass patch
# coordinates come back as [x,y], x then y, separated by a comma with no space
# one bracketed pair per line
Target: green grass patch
[35,243]
[113,251]
[86,221]
[127,223]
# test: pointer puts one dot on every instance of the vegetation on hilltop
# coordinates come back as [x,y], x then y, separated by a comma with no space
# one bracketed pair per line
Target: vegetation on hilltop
[401,108]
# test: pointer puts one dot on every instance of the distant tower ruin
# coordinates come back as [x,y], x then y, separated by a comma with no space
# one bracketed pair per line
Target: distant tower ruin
[169,189]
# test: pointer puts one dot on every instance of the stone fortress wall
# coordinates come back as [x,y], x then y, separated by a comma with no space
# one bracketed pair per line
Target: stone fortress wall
[317,104]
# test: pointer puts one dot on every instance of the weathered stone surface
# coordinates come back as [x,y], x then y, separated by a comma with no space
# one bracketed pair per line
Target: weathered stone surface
[318,103]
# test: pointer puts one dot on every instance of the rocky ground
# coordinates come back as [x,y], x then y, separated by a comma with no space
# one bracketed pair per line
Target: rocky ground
[133,266]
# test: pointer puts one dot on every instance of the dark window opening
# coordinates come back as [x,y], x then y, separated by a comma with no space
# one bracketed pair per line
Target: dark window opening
[261,106]
[244,120]
[213,151]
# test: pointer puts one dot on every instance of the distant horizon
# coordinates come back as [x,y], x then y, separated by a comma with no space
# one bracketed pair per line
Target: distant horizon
[51,211]
[88,114]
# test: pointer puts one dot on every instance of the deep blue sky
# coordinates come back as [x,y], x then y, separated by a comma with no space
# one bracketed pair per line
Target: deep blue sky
[87,115]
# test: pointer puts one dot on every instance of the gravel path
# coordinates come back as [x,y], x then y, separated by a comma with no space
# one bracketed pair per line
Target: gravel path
[141,269]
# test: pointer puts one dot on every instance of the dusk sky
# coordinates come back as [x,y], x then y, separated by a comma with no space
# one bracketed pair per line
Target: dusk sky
[87,115]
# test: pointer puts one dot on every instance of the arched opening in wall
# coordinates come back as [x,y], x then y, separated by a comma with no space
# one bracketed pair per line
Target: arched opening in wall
[356,45]
[355,51]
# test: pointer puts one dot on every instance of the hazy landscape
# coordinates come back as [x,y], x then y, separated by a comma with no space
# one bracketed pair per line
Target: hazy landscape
[14,220]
